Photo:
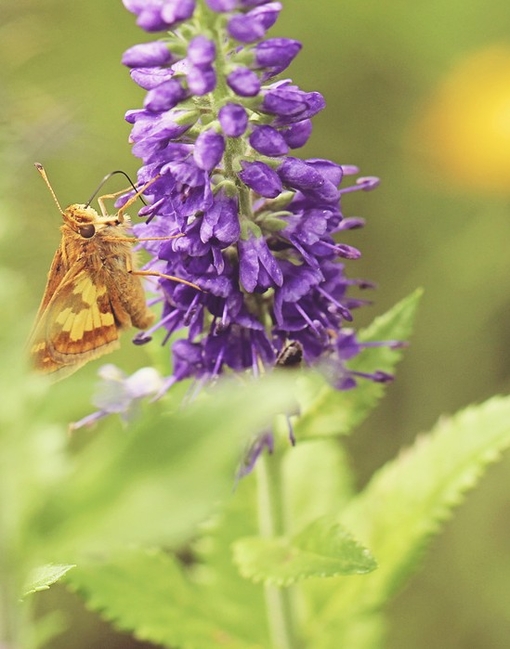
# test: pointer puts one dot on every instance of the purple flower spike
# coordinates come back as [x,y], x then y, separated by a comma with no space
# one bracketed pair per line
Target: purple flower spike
[258,269]
[147,55]
[276,54]
[188,359]
[255,228]
[329,170]
[221,221]
[149,78]
[300,175]
[244,82]
[174,11]
[292,105]
[164,96]
[250,27]
[201,80]
[149,14]
[268,141]
[296,135]
[261,178]
[155,16]
[221,6]
[209,150]
[201,52]
[233,119]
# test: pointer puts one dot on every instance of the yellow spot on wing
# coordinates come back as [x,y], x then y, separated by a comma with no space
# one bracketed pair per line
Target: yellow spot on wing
[88,291]
[89,324]
[106,319]
[63,318]
[78,325]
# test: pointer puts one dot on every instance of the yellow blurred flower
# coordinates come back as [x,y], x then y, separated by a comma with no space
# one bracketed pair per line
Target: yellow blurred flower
[463,130]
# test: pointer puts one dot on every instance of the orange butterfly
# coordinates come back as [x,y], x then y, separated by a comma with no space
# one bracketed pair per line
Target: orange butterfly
[94,290]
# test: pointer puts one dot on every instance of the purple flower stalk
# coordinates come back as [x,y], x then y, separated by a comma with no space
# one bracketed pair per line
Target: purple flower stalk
[259,226]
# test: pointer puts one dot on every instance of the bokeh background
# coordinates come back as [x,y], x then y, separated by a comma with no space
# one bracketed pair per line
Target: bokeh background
[418,93]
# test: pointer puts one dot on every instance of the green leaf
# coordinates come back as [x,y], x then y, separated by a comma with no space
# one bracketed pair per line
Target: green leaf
[323,549]
[149,594]
[154,482]
[45,576]
[318,481]
[209,604]
[231,596]
[330,412]
[406,502]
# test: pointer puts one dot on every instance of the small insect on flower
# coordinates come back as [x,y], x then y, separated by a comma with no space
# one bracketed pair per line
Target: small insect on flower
[94,290]
[291,354]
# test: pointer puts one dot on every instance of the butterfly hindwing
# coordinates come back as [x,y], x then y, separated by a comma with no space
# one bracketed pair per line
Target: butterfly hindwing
[76,324]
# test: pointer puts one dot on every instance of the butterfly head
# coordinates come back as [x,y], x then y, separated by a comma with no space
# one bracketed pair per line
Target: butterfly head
[86,222]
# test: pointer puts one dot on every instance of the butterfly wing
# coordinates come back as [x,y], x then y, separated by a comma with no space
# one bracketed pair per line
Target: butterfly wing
[56,274]
[75,324]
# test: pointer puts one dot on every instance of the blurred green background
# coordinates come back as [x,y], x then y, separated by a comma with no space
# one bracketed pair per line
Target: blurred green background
[418,93]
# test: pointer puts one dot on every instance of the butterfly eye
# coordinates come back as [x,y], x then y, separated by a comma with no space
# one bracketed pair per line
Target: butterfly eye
[87,231]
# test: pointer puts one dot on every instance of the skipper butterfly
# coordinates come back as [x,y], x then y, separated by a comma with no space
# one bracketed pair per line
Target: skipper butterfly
[94,290]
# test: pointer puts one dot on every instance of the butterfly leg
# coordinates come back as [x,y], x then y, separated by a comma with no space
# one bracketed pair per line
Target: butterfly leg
[136,239]
[129,202]
[153,273]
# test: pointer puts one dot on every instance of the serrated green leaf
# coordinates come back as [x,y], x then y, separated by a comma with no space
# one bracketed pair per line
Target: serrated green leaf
[229,594]
[149,594]
[45,576]
[331,412]
[408,499]
[395,324]
[318,482]
[228,608]
[154,482]
[323,549]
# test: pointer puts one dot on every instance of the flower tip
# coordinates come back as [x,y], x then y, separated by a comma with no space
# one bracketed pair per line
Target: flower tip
[364,284]
[209,149]
[347,252]
[141,338]
[351,223]
[147,55]
[382,377]
[396,344]
[368,183]
[350,170]
[87,422]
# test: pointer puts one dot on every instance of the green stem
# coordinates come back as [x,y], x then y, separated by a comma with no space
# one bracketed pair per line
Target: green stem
[271,523]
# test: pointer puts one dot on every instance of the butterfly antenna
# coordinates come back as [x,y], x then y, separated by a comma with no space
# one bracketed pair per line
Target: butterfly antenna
[40,169]
[106,179]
